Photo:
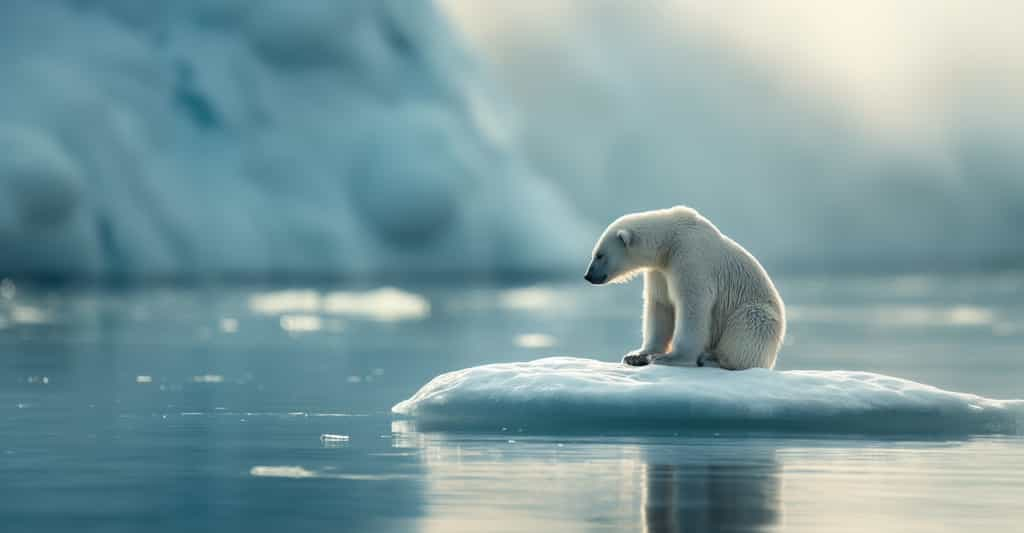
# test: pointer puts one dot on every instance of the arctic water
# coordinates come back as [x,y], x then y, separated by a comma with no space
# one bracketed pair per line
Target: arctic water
[268,408]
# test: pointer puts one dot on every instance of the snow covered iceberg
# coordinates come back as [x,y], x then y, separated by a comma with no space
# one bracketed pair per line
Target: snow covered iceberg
[574,394]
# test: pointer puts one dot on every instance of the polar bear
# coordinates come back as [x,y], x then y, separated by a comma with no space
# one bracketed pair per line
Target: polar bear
[707,301]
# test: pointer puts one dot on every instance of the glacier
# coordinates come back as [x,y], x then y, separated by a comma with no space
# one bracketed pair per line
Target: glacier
[226,138]
[570,394]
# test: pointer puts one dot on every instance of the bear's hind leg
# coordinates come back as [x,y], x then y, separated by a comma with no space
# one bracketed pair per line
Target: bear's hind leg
[751,338]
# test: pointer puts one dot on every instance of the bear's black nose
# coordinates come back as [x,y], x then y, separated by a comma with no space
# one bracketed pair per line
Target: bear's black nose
[587,277]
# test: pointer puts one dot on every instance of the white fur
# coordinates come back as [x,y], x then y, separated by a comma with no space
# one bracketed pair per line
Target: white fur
[707,301]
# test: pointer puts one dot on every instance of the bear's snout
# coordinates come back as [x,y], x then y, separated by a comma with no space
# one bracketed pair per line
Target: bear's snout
[596,280]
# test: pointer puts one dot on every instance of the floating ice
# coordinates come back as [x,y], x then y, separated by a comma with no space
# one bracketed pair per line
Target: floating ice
[299,472]
[330,440]
[573,394]
[296,472]
[208,378]
[300,323]
[24,314]
[384,304]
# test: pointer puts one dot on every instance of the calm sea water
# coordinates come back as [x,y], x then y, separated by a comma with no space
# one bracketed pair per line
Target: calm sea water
[256,409]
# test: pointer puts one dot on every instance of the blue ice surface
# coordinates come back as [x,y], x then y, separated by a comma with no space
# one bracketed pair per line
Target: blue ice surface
[575,394]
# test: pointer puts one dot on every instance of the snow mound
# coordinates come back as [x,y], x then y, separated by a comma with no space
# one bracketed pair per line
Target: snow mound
[574,394]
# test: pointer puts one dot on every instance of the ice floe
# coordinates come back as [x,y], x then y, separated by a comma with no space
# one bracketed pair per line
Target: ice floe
[574,394]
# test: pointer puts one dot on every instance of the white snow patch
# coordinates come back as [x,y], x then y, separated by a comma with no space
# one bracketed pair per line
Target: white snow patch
[568,393]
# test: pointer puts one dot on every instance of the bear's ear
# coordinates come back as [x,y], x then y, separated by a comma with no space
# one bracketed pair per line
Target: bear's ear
[625,236]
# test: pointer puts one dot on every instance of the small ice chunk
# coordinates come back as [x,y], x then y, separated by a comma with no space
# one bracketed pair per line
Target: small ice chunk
[208,378]
[297,472]
[300,323]
[24,314]
[143,379]
[331,439]
[228,325]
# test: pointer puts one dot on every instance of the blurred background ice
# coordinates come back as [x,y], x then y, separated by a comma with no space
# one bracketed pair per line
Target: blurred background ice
[825,136]
[386,139]
[260,138]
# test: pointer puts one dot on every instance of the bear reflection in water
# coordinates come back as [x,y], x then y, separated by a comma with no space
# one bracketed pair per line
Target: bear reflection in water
[708,496]
[645,483]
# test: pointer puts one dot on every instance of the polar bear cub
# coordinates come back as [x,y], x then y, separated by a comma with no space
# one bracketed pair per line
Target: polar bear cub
[707,301]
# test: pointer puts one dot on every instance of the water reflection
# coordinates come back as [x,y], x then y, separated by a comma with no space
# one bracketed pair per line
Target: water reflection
[516,482]
[726,493]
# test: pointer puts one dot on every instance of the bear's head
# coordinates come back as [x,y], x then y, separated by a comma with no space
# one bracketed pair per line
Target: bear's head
[618,255]
[641,241]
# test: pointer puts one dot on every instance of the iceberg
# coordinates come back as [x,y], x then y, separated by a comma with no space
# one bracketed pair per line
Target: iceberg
[557,394]
[226,138]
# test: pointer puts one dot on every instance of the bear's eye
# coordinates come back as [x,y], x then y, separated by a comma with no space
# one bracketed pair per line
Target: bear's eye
[599,257]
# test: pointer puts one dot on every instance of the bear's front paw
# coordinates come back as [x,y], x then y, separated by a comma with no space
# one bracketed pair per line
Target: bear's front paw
[708,359]
[636,359]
